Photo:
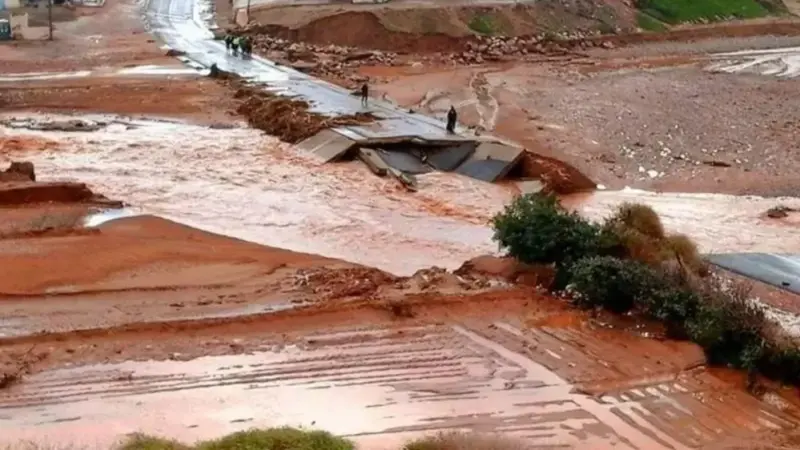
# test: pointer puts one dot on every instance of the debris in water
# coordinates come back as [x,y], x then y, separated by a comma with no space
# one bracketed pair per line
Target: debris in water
[54,125]
[780,212]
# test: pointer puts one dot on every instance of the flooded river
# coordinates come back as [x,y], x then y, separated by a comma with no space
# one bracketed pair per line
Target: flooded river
[240,183]
[243,184]
[398,383]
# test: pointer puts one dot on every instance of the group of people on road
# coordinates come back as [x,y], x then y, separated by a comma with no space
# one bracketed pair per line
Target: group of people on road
[239,44]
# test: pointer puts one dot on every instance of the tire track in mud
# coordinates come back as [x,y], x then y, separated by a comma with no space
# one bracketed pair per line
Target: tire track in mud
[491,376]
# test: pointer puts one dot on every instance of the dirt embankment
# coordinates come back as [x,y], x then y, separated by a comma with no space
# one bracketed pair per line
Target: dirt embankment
[427,28]
[288,119]
[18,186]
[30,208]
[193,98]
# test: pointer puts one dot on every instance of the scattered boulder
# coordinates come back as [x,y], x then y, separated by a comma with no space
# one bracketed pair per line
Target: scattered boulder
[508,269]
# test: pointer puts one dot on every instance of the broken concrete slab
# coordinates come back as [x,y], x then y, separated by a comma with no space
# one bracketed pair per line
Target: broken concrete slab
[374,161]
[327,145]
[448,159]
[491,161]
[404,161]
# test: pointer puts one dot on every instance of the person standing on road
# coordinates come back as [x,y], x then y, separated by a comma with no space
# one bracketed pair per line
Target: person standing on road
[452,117]
[235,45]
[228,42]
[364,94]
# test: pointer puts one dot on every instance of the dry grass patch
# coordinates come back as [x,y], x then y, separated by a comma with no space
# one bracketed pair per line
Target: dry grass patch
[465,441]
[644,238]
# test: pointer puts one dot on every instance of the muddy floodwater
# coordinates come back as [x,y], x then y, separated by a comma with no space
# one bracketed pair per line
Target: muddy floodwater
[718,223]
[241,183]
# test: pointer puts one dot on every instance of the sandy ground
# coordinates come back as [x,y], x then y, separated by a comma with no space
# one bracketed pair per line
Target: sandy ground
[655,122]
[102,60]
[518,362]
[112,35]
[195,99]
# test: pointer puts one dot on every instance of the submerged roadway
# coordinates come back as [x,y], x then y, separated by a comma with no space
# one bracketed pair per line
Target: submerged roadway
[181,25]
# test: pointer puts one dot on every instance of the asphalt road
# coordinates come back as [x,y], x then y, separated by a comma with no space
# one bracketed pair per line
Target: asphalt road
[782,271]
[180,25]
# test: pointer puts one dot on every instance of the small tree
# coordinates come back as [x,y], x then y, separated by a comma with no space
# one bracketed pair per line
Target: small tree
[728,326]
[615,284]
[535,229]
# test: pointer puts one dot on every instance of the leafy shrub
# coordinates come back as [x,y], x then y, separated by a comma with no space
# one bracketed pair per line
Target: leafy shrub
[728,326]
[637,245]
[781,361]
[535,229]
[673,306]
[283,438]
[612,283]
[464,441]
[482,24]
[139,441]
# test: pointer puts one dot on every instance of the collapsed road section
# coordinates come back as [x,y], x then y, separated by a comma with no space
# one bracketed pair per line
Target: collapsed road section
[399,142]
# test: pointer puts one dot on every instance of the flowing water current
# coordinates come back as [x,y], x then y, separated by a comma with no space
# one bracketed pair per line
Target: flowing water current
[240,183]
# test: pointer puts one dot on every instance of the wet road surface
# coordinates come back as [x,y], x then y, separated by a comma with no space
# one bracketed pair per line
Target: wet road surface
[179,25]
[404,381]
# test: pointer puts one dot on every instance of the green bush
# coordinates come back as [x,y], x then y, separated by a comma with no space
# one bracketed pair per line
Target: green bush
[648,23]
[139,441]
[672,305]
[283,438]
[615,284]
[535,229]
[482,24]
[629,263]
[728,326]
[464,441]
[781,361]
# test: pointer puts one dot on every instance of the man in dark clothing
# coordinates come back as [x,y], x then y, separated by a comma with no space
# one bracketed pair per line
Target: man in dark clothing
[452,116]
[364,94]
[247,46]
[228,42]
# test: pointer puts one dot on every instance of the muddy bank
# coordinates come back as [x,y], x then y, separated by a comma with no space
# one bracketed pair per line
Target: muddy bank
[287,119]
[199,100]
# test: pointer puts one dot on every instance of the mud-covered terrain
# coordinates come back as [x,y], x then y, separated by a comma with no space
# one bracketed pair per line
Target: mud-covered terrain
[229,280]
